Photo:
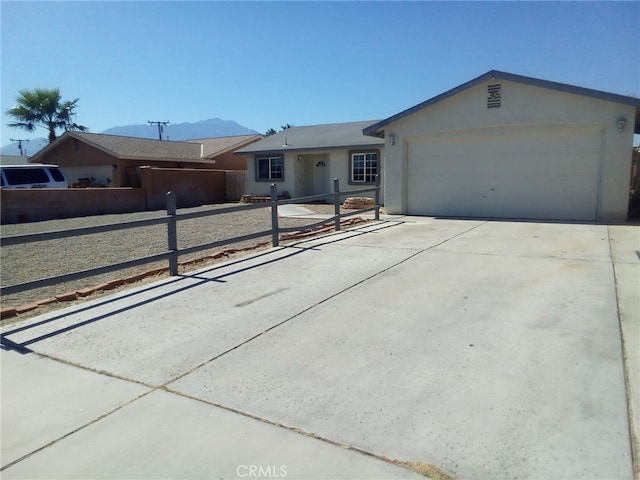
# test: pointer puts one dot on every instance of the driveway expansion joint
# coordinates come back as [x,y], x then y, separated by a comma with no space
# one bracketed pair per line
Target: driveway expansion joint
[425,469]
[76,430]
[633,435]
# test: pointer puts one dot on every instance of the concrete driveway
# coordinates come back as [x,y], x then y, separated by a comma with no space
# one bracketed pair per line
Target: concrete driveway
[473,349]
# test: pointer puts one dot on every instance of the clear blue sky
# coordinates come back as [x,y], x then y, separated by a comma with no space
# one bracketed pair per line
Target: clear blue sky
[265,64]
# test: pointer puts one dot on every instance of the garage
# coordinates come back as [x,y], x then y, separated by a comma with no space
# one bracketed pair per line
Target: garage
[508,146]
[546,172]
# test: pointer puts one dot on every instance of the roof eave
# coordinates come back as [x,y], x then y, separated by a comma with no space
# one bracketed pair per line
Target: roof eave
[51,146]
[378,128]
[164,159]
[309,149]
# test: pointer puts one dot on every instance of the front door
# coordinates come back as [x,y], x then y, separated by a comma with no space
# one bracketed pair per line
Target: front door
[320,174]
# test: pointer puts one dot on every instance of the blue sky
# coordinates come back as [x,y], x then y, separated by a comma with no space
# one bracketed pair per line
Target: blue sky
[265,64]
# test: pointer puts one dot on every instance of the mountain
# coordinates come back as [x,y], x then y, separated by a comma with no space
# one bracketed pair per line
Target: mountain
[29,148]
[214,127]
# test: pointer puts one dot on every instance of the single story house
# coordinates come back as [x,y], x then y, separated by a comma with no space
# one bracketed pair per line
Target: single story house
[509,146]
[114,161]
[303,161]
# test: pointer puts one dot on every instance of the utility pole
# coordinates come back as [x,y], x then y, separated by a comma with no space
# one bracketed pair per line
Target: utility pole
[19,140]
[160,126]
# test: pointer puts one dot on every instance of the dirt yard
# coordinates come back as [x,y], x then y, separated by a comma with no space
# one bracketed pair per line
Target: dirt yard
[22,263]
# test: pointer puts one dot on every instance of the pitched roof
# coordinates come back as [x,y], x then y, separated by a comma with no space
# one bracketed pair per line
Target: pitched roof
[214,147]
[315,137]
[378,128]
[131,147]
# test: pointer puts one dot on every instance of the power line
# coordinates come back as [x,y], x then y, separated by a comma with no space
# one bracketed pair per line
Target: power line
[160,126]
[19,140]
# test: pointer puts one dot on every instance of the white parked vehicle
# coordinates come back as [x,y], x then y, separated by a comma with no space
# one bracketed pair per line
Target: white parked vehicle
[35,175]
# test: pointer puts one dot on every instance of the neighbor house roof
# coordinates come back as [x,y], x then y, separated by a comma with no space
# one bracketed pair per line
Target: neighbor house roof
[214,147]
[377,129]
[131,148]
[315,137]
[13,160]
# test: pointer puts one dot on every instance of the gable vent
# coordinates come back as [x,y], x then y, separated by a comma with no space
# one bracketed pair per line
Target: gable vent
[494,96]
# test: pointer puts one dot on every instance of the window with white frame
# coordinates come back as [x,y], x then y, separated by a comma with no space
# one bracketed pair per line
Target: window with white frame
[270,168]
[364,167]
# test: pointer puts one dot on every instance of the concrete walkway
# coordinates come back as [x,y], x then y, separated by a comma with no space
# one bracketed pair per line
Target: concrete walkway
[482,349]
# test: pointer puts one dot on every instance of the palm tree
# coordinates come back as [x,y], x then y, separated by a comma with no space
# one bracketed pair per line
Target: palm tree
[44,108]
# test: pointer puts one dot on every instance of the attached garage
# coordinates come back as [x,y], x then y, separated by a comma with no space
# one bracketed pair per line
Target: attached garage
[506,172]
[536,150]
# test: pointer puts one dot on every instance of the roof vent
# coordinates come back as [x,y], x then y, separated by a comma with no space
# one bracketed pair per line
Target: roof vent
[494,96]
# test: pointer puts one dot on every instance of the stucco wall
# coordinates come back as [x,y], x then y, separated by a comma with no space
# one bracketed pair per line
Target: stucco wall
[31,205]
[192,187]
[229,161]
[103,174]
[523,105]
[74,153]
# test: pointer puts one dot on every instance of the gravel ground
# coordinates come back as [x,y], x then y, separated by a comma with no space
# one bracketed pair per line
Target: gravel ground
[22,263]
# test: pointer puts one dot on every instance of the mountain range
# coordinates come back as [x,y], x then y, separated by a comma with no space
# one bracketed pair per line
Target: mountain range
[211,128]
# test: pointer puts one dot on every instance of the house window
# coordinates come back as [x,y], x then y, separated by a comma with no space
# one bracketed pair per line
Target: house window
[364,167]
[269,168]
[494,96]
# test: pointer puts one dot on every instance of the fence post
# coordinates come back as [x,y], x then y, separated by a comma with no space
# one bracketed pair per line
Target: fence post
[275,237]
[377,215]
[336,203]
[172,234]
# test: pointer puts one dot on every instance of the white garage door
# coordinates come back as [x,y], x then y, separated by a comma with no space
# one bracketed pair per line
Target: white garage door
[546,172]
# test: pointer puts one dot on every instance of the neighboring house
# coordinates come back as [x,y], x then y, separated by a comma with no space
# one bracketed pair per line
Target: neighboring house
[114,161]
[303,161]
[220,150]
[508,146]
[13,160]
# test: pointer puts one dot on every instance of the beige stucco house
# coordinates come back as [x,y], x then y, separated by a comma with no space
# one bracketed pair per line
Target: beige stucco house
[304,161]
[508,146]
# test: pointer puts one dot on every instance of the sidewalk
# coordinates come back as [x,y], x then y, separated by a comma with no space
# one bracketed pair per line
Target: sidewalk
[483,349]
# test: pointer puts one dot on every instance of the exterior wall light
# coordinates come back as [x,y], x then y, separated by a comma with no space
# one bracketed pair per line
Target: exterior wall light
[621,123]
[392,139]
